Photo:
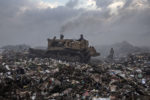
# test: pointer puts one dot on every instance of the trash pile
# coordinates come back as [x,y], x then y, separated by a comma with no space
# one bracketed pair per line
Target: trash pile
[23,78]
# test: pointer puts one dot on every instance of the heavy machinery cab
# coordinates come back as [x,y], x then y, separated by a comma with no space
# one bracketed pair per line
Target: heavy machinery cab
[67,43]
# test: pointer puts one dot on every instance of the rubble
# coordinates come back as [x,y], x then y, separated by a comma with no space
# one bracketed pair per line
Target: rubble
[23,78]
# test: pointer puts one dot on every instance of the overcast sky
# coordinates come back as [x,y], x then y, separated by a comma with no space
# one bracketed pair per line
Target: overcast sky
[101,21]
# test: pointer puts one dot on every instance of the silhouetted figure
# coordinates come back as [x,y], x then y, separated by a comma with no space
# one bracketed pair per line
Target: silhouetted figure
[54,38]
[61,36]
[81,37]
[111,54]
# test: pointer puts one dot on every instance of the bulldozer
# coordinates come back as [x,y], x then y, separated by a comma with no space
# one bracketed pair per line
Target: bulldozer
[69,50]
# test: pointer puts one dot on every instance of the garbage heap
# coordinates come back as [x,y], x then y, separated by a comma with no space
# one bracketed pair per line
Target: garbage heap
[23,78]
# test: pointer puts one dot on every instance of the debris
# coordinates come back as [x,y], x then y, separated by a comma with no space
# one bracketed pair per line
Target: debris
[47,79]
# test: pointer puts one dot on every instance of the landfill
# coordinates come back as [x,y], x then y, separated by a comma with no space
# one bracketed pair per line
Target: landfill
[24,78]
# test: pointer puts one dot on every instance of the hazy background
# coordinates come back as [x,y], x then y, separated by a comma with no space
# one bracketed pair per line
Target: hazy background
[103,22]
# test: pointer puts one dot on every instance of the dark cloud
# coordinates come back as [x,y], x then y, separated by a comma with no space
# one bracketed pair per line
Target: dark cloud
[33,25]
[72,3]
[127,3]
[103,3]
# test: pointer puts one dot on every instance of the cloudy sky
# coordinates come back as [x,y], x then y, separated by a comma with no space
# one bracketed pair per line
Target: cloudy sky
[101,21]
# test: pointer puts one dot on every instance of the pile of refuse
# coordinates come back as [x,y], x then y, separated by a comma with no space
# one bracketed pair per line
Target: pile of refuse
[23,78]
